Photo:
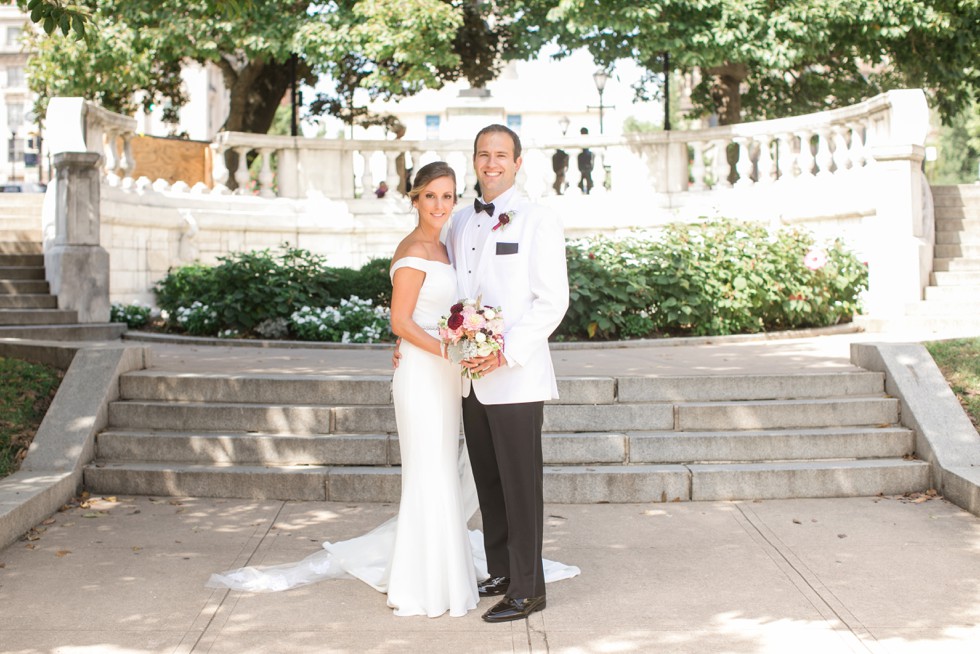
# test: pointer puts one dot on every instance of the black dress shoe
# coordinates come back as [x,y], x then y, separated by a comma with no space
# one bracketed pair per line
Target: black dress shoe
[493,586]
[509,609]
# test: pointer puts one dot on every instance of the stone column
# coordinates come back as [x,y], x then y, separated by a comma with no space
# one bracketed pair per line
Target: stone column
[76,266]
[901,255]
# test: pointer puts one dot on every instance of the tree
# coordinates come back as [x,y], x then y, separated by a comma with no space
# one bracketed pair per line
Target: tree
[766,58]
[134,49]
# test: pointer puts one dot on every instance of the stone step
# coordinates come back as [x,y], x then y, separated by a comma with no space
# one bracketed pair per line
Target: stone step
[967,278]
[956,195]
[957,224]
[28,301]
[946,308]
[748,387]
[21,259]
[565,484]
[20,245]
[942,326]
[808,479]
[22,272]
[958,237]
[954,251]
[781,414]
[956,212]
[357,419]
[23,317]
[21,235]
[109,331]
[952,293]
[596,448]
[161,385]
[23,287]
[958,264]
[361,419]
[770,445]
[309,389]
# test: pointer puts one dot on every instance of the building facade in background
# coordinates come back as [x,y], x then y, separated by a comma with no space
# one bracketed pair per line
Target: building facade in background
[22,158]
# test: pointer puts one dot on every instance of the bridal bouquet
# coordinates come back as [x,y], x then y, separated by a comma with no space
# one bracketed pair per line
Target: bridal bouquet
[471,330]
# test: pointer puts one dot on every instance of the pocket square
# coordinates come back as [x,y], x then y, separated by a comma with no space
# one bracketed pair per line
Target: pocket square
[506,248]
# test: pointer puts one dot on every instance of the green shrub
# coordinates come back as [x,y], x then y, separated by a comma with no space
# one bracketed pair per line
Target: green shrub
[246,289]
[710,278]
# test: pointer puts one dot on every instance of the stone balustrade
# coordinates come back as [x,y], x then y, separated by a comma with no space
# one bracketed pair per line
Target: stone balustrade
[853,172]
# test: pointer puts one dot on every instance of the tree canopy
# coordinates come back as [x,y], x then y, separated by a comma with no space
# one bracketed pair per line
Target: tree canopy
[135,49]
[769,58]
[750,59]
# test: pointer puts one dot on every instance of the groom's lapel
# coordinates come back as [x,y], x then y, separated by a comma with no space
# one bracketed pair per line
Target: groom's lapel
[488,252]
[467,283]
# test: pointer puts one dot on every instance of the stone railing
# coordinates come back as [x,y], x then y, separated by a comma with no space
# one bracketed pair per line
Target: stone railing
[853,172]
[815,146]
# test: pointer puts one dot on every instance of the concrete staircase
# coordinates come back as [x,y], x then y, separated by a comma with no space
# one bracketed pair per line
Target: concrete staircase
[27,308]
[952,300]
[623,439]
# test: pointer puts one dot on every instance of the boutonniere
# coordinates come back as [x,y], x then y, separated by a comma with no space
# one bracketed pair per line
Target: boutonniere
[503,220]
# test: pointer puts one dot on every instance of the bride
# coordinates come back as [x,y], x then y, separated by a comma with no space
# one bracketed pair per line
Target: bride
[424,559]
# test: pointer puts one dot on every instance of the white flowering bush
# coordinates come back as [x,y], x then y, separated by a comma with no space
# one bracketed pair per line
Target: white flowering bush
[353,321]
[198,318]
[135,314]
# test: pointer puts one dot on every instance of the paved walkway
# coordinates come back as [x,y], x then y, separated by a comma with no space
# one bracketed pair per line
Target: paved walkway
[890,575]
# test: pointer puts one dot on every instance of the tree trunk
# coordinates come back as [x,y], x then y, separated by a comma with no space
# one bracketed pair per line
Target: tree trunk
[256,92]
[726,92]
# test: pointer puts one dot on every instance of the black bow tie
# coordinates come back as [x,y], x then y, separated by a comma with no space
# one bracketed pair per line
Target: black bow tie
[479,206]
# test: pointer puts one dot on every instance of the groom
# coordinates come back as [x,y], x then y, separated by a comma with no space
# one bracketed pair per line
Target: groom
[512,253]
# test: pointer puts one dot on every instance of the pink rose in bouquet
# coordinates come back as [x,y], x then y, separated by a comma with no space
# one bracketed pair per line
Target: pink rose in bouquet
[471,330]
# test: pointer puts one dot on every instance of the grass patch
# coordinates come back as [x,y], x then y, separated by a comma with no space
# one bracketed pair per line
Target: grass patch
[959,360]
[25,394]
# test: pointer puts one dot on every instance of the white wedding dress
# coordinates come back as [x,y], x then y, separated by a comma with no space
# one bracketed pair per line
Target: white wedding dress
[425,559]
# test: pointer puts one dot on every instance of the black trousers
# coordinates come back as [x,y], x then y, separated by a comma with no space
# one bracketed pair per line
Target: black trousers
[504,443]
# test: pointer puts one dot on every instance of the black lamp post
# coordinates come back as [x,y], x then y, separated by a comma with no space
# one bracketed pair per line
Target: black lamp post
[600,77]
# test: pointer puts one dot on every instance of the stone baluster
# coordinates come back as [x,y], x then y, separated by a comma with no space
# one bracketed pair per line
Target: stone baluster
[857,151]
[391,177]
[127,162]
[787,156]
[697,166]
[765,162]
[842,160]
[111,158]
[367,177]
[242,177]
[266,176]
[219,170]
[806,160]
[824,158]
[412,161]
[744,165]
[720,168]
[469,176]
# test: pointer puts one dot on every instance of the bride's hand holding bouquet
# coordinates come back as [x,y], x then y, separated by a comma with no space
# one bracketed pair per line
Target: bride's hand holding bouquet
[472,336]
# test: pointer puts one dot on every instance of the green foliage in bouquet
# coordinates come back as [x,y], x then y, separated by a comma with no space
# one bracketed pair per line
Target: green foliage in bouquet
[710,278]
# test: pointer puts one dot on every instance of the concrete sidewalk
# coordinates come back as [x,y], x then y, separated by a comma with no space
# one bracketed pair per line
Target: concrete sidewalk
[892,575]
[886,574]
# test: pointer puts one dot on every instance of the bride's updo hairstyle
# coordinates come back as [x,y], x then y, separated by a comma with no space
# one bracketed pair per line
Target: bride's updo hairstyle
[429,172]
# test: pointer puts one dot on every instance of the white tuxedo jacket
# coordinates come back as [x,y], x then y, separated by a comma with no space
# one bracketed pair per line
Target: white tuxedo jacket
[522,270]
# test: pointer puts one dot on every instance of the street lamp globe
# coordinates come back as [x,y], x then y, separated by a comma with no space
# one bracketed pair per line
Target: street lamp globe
[600,77]
[563,123]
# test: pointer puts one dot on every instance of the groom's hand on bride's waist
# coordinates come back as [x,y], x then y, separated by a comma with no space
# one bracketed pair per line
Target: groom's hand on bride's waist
[396,355]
